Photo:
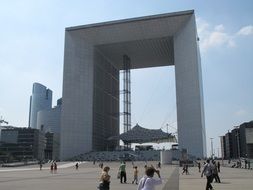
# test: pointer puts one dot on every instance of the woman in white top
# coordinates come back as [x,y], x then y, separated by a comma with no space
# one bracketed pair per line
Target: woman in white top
[147,182]
[105,179]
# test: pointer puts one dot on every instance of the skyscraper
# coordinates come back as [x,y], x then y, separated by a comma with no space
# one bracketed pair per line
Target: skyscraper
[41,99]
[49,122]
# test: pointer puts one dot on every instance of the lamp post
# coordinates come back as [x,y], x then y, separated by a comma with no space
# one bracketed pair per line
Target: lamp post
[211,147]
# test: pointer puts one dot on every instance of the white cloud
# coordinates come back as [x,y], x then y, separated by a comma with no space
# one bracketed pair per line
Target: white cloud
[246,30]
[202,25]
[213,37]
[216,36]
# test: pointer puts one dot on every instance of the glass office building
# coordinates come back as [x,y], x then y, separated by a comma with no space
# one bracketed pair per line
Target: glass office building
[41,99]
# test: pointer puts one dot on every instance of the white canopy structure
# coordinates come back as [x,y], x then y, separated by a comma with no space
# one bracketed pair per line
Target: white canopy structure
[141,135]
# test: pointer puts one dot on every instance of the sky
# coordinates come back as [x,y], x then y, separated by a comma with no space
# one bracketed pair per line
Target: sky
[32,50]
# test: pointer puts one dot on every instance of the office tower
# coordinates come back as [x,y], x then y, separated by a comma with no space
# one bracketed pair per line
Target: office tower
[48,121]
[41,99]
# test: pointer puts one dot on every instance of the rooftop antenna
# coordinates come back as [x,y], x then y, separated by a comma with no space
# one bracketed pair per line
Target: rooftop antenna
[3,121]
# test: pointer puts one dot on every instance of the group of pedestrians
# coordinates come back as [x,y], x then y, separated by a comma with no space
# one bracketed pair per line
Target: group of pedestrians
[147,182]
[239,164]
[53,167]
[211,171]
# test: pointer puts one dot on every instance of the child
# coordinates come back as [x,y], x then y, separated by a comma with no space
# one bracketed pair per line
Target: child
[104,183]
[135,175]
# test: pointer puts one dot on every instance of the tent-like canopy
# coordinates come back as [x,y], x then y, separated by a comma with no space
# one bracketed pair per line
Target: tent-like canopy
[140,135]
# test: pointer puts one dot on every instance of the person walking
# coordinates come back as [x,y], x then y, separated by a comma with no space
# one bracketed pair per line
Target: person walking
[55,167]
[207,170]
[52,168]
[101,165]
[159,165]
[77,166]
[215,172]
[218,166]
[40,163]
[148,182]
[122,169]
[185,170]
[104,181]
[199,166]
[135,175]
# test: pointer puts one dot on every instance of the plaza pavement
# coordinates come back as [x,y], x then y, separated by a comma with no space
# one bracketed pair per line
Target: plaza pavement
[86,178]
[231,178]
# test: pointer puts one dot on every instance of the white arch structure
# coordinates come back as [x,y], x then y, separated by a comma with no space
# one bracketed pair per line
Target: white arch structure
[93,57]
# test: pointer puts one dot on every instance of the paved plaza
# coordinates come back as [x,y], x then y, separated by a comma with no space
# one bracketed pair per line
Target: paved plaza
[86,178]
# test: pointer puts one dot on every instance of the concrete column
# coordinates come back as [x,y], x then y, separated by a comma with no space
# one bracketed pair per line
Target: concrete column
[189,92]
[166,156]
[77,106]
